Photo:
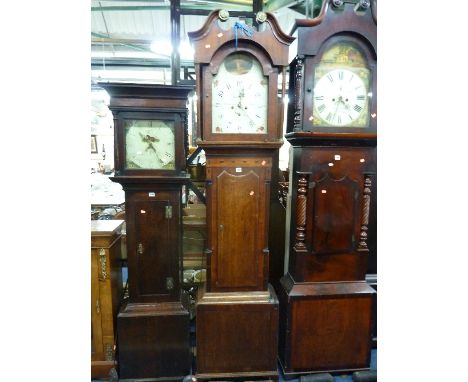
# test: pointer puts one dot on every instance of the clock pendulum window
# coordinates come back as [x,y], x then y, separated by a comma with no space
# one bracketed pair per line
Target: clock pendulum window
[150,150]
[241,131]
[326,306]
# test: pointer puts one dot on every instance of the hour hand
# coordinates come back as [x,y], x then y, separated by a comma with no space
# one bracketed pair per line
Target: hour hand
[150,146]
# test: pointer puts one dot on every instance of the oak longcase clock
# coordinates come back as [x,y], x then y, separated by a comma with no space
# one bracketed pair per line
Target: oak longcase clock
[238,70]
[332,126]
[150,149]
[333,82]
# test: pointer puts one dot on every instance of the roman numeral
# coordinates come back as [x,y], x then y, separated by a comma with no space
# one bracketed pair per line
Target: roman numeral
[321,108]
[339,119]
[361,97]
[319,98]
[330,77]
[329,117]
[228,86]
[340,75]
[357,108]
[221,93]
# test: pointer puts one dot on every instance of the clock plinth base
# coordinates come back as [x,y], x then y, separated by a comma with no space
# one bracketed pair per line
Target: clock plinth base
[101,369]
[237,335]
[325,327]
[153,341]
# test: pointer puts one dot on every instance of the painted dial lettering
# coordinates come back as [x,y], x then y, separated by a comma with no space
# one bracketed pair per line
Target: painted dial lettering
[342,96]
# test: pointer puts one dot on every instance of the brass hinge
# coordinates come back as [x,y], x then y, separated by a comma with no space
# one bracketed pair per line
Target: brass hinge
[168,212]
[98,307]
[169,283]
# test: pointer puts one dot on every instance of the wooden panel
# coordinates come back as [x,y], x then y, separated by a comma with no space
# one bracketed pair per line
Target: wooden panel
[331,333]
[153,342]
[237,214]
[237,217]
[331,211]
[335,205]
[96,327]
[153,234]
[153,245]
[229,337]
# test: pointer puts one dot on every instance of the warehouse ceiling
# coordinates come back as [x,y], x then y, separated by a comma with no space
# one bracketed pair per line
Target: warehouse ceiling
[131,41]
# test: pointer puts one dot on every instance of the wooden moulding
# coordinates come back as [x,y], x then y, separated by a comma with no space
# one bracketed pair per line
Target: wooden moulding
[210,37]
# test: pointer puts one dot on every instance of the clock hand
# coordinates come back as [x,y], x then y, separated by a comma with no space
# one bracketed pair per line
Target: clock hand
[150,146]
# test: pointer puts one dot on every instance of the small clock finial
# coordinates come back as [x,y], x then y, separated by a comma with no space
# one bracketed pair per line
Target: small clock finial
[261,17]
[223,14]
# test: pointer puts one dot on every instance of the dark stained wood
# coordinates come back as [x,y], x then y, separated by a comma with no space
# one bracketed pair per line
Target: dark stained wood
[238,221]
[314,37]
[237,334]
[106,293]
[271,39]
[153,243]
[333,321]
[327,309]
[153,327]
[148,101]
[238,315]
[333,212]
[153,341]
[212,44]
[277,226]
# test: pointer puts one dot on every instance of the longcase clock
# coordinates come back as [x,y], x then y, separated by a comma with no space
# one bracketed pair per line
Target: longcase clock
[150,150]
[325,304]
[238,70]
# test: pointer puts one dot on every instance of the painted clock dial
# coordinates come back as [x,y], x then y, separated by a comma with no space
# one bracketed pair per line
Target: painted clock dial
[149,144]
[341,92]
[240,96]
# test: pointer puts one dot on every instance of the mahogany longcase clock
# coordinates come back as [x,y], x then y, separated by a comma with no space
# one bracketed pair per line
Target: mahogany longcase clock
[150,150]
[325,303]
[238,70]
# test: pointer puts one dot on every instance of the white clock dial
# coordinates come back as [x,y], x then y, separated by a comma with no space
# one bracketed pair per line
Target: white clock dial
[149,144]
[340,97]
[240,97]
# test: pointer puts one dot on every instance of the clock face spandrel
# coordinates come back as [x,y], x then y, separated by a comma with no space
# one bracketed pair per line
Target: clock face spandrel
[341,93]
[149,144]
[240,96]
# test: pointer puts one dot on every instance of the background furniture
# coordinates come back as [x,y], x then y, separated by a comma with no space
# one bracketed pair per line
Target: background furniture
[106,293]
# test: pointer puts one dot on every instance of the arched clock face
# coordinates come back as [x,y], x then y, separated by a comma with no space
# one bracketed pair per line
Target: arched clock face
[149,144]
[341,98]
[239,96]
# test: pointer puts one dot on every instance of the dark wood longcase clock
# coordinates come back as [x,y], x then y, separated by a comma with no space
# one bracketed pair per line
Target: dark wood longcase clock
[238,69]
[325,303]
[150,150]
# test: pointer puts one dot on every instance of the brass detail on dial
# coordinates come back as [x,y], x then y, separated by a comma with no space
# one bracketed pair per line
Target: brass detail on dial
[223,14]
[261,17]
